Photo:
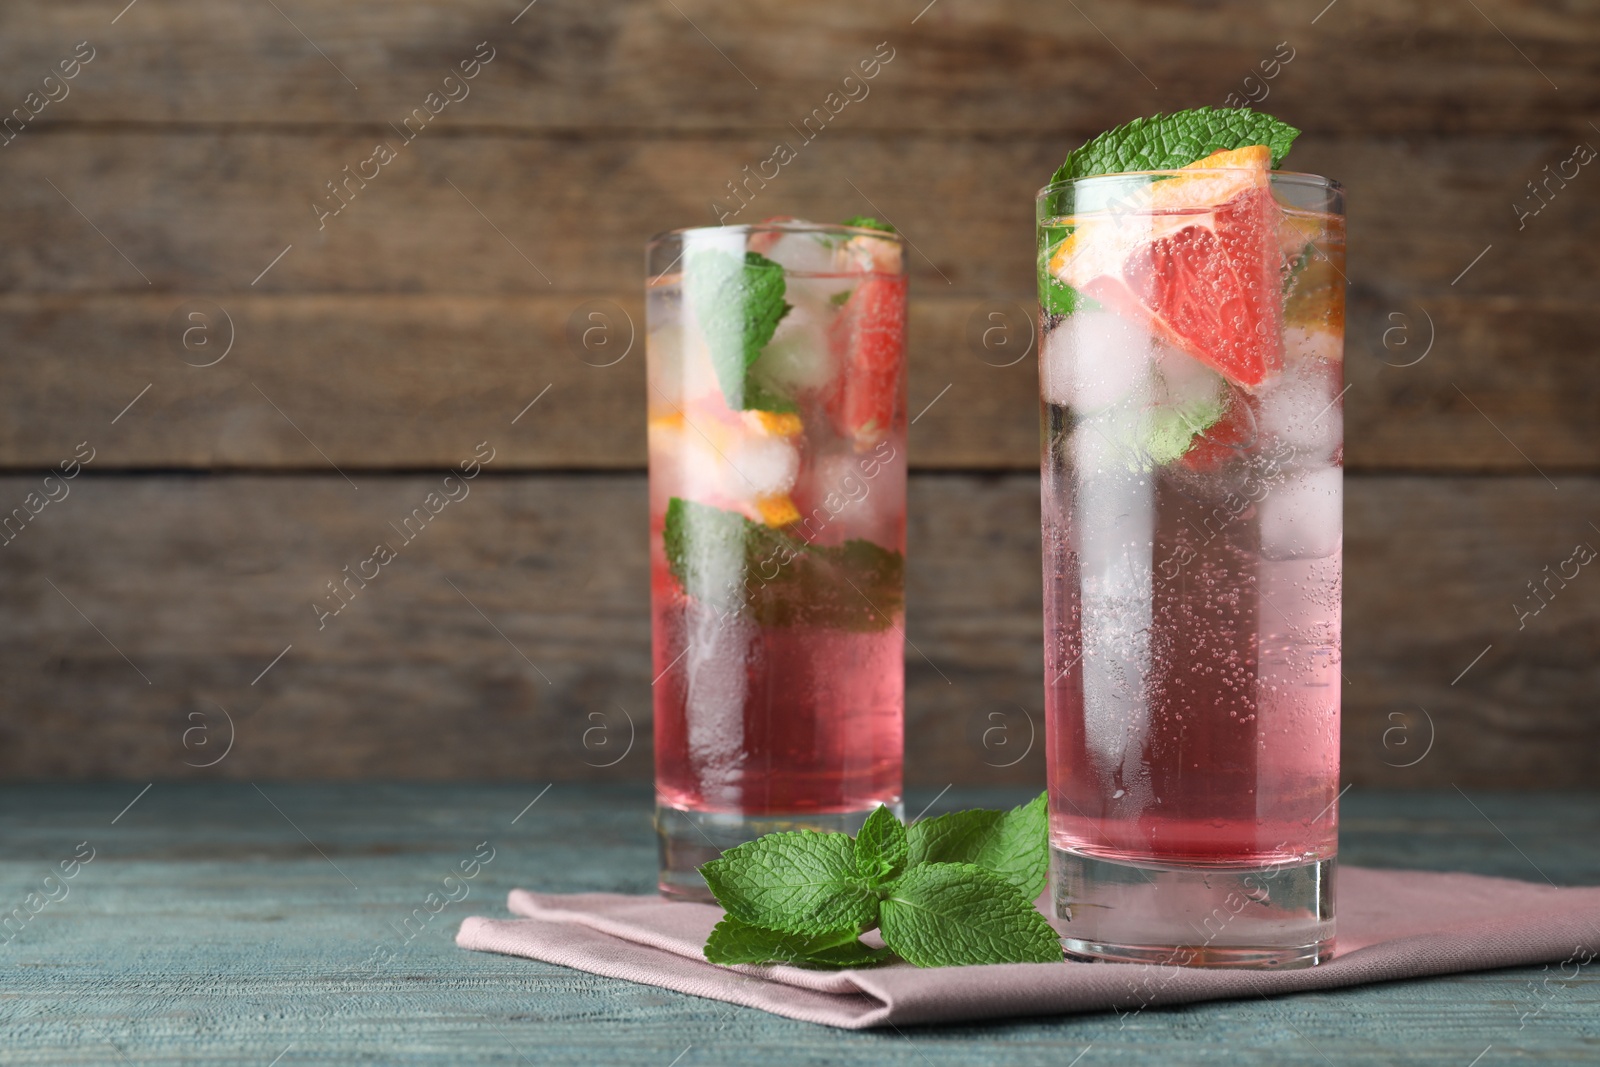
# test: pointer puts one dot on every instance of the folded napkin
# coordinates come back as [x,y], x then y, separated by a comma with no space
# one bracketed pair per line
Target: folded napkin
[1392,924]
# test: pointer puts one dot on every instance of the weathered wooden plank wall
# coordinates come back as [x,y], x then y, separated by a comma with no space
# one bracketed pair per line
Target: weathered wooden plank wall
[177,171]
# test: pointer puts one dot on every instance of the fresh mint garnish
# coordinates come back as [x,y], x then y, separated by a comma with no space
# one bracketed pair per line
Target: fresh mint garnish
[1000,841]
[1167,142]
[794,882]
[733,942]
[955,890]
[953,914]
[731,564]
[739,305]
[866,222]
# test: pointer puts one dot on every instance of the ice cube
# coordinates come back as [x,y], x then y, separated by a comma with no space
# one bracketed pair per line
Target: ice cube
[1186,383]
[858,496]
[1321,345]
[1299,408]
[1302,517]
[729,239]
[762,466]
[799,249]
[680,369]
[701,472]
[716,666]
[797,358]
[1117,522]
[1096,359]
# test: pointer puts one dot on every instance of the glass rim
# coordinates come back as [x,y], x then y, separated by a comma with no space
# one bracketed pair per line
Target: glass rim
[776,227]
[1288,177]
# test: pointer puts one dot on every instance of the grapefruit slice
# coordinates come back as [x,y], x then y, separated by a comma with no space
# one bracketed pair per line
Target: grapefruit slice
[868,341]
[1195,258]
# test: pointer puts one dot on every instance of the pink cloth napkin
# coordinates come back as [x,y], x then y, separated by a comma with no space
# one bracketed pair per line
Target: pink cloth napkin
[1392,924]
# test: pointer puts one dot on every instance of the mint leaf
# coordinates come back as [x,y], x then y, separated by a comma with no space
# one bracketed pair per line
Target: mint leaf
[1056,297]
[795,883]
[858,586]
[1014,845]
[706,552]
[733,941]
[729,563]
[1059,298]
[881,847]
[951,914]
[1169,431]
[1167,142]
[739,305]
[866,222]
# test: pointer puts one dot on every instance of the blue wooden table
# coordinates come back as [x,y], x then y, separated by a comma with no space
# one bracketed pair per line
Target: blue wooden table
[230,924]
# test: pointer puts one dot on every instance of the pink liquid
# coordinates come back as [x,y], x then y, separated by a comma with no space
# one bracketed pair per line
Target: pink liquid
[1192,523]
[1193,683]
[784,720]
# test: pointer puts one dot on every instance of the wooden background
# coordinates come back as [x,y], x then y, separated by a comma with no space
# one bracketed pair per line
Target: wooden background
[143,612]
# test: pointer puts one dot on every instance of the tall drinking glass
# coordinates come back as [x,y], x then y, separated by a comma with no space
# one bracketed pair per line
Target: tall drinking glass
[1191,376]
[777,407]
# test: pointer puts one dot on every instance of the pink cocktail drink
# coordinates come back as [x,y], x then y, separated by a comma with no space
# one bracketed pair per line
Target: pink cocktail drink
[1192,376]
[777,517]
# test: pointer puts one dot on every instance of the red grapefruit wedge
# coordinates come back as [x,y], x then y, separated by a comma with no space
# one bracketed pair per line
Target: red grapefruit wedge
[1196,259]
[868,341]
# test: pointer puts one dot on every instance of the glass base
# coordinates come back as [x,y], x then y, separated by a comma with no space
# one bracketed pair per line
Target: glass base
[1278,917]
[690,838]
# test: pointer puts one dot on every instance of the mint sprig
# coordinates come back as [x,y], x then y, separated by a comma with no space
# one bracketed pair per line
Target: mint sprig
[1168,142]
[739,305]
[867,222]
[731,564]
[951,891]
